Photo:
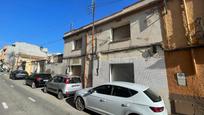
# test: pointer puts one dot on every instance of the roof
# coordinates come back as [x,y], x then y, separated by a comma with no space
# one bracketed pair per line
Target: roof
[134,7]
[129,85]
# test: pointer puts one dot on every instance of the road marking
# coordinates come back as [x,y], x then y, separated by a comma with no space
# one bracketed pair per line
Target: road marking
[4,105]
[11,86]
[33,100]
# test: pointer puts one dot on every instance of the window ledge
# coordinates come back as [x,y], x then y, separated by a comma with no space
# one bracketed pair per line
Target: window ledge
[76,50]
[112,42]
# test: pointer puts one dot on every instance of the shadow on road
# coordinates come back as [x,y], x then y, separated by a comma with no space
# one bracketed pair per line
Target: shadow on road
[70,101]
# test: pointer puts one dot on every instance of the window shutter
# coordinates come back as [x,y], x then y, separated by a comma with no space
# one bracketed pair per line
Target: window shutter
[73,45]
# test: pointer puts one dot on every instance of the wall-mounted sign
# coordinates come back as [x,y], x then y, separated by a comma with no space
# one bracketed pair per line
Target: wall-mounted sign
[181,79]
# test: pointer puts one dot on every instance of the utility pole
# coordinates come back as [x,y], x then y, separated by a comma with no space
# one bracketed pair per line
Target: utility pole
[93,5]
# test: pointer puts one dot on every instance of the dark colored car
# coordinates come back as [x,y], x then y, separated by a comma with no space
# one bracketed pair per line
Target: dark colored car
[37,79]
[18,74]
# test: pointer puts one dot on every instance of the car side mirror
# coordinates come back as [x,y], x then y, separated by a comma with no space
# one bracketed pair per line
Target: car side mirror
[91,91]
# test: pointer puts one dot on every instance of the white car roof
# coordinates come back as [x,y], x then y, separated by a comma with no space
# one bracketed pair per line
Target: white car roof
[129,85]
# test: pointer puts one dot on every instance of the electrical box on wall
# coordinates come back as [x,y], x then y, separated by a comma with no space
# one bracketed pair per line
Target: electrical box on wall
[181,79]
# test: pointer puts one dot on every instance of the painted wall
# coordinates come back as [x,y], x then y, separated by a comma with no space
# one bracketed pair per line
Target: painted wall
[55,68]
[179,31]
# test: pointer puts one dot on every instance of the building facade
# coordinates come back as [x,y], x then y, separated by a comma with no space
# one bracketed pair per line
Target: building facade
[127,46]
[54,64]
[183,36]
[20,55]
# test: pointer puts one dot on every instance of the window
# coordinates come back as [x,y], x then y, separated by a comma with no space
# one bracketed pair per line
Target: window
[123,92]
[77,44]
[104,89]
[58,79]
[55,79]
[152,95]
[75,80]
[121,33]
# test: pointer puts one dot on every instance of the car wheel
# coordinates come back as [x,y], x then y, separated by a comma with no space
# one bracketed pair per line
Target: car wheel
[60,95]
[79,104]
[33,85]
[45,89]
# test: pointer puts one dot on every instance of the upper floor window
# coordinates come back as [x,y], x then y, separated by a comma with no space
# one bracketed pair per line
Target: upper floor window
[77,44]
[121,33]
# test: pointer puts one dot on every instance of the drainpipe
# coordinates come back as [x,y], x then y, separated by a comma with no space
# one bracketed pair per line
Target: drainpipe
[192,41]
[84,77]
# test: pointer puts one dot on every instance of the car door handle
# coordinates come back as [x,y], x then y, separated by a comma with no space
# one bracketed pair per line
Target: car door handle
[124,105]
[102,100]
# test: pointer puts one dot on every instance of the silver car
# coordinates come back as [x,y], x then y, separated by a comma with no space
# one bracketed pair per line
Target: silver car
[63,85]
[120,98]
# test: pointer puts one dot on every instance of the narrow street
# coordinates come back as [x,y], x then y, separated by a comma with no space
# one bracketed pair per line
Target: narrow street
[19,99]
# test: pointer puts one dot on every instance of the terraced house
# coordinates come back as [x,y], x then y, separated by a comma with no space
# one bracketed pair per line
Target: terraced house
[127,46]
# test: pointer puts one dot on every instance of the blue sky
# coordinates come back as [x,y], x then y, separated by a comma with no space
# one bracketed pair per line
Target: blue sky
[43,22]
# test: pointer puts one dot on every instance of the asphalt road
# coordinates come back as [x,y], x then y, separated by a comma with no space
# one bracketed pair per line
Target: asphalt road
[19,99]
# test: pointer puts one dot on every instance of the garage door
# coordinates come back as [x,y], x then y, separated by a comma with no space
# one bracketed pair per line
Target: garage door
[122,72]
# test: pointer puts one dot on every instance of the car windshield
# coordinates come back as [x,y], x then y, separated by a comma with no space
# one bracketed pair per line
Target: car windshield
[154,97]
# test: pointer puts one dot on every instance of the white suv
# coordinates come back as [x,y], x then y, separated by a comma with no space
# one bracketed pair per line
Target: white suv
[63,85]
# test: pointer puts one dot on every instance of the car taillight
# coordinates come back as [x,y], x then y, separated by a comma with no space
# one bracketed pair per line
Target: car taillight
[66,81]
[38,78]
[157,109]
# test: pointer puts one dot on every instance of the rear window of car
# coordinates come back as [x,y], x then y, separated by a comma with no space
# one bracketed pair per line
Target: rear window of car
[21,72]
[24,72]
[75,80]
[46,76]
[154,97]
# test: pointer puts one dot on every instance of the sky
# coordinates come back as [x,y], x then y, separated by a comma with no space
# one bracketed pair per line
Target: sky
[44,22]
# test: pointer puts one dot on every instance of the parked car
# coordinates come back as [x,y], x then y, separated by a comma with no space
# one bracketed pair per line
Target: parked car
[63,85]
[120,98]
[18,74]
[38,79]
[1,70]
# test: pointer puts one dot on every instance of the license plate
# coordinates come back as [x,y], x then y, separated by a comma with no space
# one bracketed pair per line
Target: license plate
[45,80]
